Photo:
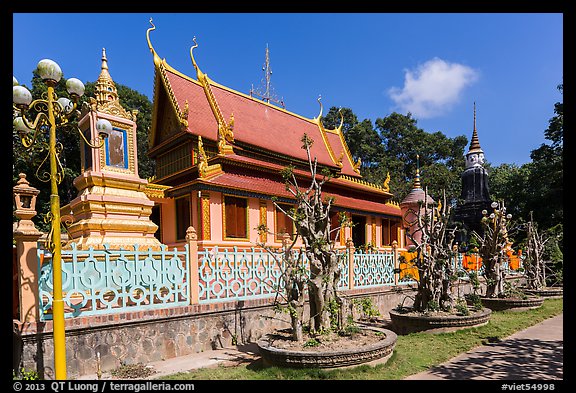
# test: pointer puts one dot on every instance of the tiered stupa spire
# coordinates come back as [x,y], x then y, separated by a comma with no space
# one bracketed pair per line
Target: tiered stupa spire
[106,94]
[475,142]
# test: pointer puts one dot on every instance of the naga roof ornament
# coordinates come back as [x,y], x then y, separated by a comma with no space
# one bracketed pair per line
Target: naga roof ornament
[225,129]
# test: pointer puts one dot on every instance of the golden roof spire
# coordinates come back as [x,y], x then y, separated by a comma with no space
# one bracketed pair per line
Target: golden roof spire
[475,142]
[154,54]
[107,100]
[417,179]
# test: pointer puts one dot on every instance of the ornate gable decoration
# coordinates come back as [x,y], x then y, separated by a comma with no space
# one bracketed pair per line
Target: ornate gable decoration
[225,129]
[107,100]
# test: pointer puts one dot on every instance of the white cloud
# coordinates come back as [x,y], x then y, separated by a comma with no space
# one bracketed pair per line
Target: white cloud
[432,88]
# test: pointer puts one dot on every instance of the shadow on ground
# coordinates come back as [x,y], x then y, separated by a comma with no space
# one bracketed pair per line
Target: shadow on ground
[511,359]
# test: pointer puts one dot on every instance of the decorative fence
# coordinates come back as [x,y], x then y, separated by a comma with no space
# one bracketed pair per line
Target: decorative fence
[112,281]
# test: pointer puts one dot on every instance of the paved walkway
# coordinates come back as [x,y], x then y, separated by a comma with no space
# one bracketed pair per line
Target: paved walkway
[535,353]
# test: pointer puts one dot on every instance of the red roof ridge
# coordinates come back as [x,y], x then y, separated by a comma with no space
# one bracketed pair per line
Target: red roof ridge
[225,129]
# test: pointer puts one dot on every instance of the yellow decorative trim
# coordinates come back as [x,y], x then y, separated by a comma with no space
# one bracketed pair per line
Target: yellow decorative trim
[204,204]
[356,165]
[225,130]
[155,190]
[318,121]
[129,142]
[205,170]
[154,54]
[202,159]
[263,220]
[385,185]
[394,204]
[364,183]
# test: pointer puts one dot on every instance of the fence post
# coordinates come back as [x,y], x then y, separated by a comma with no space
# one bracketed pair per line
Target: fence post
[26,236]
[192,240]
[350,250]
[396,262]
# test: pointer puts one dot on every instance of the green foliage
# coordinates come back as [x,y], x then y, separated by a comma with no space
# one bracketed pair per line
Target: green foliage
[432,306]
[25,375]
[313,342]
[474,300]
[369,310]
[132,371]
[462,307]
[413,352]
[350,328]
[334,310]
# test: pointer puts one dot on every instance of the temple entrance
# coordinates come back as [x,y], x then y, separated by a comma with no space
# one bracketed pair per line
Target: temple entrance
[358,230]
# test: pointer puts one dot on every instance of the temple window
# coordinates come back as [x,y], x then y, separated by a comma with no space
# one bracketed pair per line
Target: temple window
[284,223]
[359,230]
[334,223]
[174,161]
[389,231]
[182,216]
[235,217]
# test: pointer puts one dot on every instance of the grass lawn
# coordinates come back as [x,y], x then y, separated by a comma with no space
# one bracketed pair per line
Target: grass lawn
[414,352]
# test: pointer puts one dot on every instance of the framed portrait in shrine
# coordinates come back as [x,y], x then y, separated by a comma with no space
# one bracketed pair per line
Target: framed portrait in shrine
[117,149]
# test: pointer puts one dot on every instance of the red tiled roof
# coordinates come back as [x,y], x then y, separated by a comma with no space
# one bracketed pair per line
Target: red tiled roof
[268,185]
[255,123]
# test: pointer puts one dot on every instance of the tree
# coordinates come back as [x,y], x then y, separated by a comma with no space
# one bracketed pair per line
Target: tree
[362,140]
[510,182]
[533,263]
[311,217]
[441,158]
[493,247]
[434,246]
[546,172]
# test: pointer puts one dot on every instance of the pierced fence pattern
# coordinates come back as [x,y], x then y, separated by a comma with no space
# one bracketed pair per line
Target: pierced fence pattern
[112,281]
[235,274]
[373,269]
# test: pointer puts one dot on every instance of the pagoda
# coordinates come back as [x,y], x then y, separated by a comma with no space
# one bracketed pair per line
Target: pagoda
[475,195]
[111,208]
[219,153]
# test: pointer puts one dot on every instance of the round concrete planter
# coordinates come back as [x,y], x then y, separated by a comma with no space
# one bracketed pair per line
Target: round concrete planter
[374,353]
[516,304]
[404,323]
[547,293]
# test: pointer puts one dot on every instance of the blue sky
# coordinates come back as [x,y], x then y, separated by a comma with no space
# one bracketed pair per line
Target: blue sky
[435,65]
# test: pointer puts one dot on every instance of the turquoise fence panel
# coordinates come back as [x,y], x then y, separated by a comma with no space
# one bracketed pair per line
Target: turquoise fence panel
[232,274]
[113,281]
[344,265]
[373,269]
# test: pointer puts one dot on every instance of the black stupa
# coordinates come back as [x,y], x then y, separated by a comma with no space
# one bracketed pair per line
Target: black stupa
[475,195]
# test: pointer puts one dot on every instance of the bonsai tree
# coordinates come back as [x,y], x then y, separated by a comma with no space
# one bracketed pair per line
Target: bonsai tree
[493,245]
[542,254]
[311,217]
[533,263]
[434,252]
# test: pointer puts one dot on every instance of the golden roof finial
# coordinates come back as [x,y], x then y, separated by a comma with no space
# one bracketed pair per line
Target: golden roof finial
[104,59]
[474,142]
[192,54]
[339,129]
[104,73]
[155,56]
[321,108]
[417,179]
